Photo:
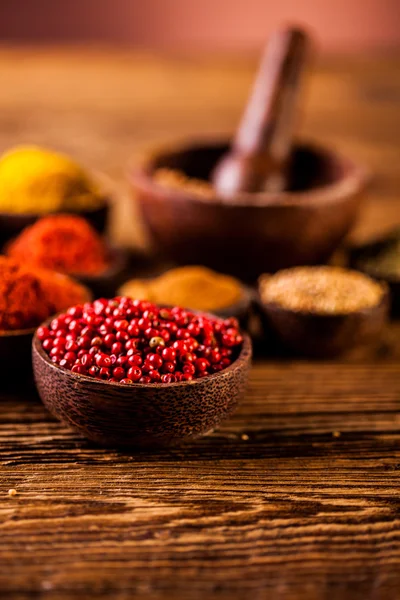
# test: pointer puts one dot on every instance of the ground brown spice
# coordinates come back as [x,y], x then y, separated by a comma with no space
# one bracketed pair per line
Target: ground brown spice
[178,180]
[192,287]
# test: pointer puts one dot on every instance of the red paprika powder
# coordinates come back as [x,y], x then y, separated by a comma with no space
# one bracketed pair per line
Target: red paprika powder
[64,243]
[29,295]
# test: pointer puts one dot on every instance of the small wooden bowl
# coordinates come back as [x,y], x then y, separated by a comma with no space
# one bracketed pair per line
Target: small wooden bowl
[136,415]
[106,284]
[12,224]
[259,233]
[317,335]
[359,254]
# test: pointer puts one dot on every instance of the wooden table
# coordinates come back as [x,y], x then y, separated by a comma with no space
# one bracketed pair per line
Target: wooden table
[297,495]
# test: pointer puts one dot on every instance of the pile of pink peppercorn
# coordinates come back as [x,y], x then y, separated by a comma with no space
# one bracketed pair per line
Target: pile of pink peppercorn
[133,341]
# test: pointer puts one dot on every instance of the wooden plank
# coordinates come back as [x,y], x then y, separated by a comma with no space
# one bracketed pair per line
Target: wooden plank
[297,495]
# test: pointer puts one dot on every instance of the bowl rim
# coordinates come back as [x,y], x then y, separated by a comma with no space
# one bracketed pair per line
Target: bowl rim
[245,355]
[105,203]
[357,176]
[4,333]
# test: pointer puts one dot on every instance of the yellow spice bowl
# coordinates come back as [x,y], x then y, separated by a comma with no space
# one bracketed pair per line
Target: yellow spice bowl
[240,309]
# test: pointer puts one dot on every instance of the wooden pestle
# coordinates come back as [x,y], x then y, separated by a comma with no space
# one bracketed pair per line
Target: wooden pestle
[262,145]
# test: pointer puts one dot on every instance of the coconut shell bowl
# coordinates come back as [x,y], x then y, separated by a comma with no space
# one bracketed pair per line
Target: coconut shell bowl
[140,415]
[255,232]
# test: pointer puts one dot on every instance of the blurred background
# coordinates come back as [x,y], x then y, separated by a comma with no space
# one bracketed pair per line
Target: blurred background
[101,79]
[343,25]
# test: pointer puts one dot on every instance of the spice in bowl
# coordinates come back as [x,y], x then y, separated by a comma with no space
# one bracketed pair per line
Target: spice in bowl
[177,180]
[323,311]
[134,341]
[196,287]
[64,243]
[323,290]
[29,295]
[34,180]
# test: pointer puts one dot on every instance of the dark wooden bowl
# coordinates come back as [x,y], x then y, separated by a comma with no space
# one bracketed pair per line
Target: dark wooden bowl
[11,224]
[261,232]
[317,335]
[359,254]
[114,414]
[106,284]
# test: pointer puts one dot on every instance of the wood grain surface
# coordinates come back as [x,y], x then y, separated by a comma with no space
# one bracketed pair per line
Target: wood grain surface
[297,495]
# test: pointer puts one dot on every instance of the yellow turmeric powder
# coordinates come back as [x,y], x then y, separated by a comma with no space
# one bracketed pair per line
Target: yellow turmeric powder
[193,287]
[39,181]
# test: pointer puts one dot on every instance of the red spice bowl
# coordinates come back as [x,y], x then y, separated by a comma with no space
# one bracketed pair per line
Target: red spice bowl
[28,296]
[140,414]
[12,224]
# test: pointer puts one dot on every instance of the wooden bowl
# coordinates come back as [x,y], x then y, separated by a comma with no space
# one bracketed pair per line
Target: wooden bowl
[261,232]
[317,335]
[115,414]
[12,224]
[361,253]
[106,284]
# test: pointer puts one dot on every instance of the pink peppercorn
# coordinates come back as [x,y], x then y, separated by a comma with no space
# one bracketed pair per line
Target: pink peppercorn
[131,341]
